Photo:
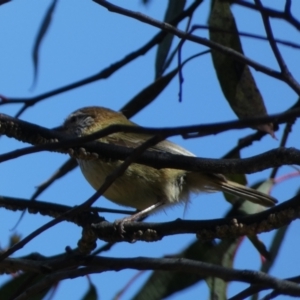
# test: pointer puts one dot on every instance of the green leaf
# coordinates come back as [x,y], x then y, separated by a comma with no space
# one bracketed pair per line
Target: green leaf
[40,36]
[252,208]
[173,10]
[17,285]
[244,207]
[162,284]
[235,78]
[259,246]
[4,1]
[225,251]
[275,246]
[147,95]
[91,294]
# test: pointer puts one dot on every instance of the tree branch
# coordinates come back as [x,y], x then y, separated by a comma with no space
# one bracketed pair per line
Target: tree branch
[101,264]
[34,134]
[202,41]
[270,219]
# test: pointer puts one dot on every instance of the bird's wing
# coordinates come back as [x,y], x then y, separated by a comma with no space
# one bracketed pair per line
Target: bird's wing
[133,140]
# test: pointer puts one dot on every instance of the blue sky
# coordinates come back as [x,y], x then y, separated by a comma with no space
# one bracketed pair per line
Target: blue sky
[83,39]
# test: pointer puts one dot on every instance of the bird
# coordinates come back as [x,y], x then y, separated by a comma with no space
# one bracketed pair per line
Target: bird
[145,188]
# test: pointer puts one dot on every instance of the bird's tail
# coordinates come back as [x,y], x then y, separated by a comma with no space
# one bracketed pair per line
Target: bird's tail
[217,182]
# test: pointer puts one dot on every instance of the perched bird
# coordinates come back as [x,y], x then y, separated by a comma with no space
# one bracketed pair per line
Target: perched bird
[143,187]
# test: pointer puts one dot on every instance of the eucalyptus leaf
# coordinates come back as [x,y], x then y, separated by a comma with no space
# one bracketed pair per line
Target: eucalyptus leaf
[173,10]
[235,78]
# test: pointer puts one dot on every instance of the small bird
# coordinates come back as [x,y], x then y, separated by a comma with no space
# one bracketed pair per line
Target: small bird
[143,187]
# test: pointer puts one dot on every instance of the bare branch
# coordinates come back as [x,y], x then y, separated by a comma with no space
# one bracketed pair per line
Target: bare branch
[284,69]
[105,73]
[102,264]
[203,41]
[265,221]
[284,15]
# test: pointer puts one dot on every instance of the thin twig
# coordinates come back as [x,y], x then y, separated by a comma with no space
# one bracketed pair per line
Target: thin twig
[105,73]
[203,41]
[289,79]
[271,12]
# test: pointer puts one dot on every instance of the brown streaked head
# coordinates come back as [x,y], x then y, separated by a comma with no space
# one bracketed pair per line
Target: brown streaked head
[90,119]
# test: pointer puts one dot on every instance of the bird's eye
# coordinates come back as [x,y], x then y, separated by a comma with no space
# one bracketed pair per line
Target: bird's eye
[80,120]
[73,119]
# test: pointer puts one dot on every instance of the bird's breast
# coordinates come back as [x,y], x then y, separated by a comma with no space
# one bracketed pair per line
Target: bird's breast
[139,186]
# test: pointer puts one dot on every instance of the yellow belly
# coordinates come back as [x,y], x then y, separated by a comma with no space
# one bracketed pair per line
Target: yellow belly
[134,188]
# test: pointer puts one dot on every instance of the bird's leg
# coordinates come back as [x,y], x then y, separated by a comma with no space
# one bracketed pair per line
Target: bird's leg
[139,215]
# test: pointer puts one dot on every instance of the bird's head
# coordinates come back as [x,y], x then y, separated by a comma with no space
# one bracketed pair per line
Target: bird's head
[88,120]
